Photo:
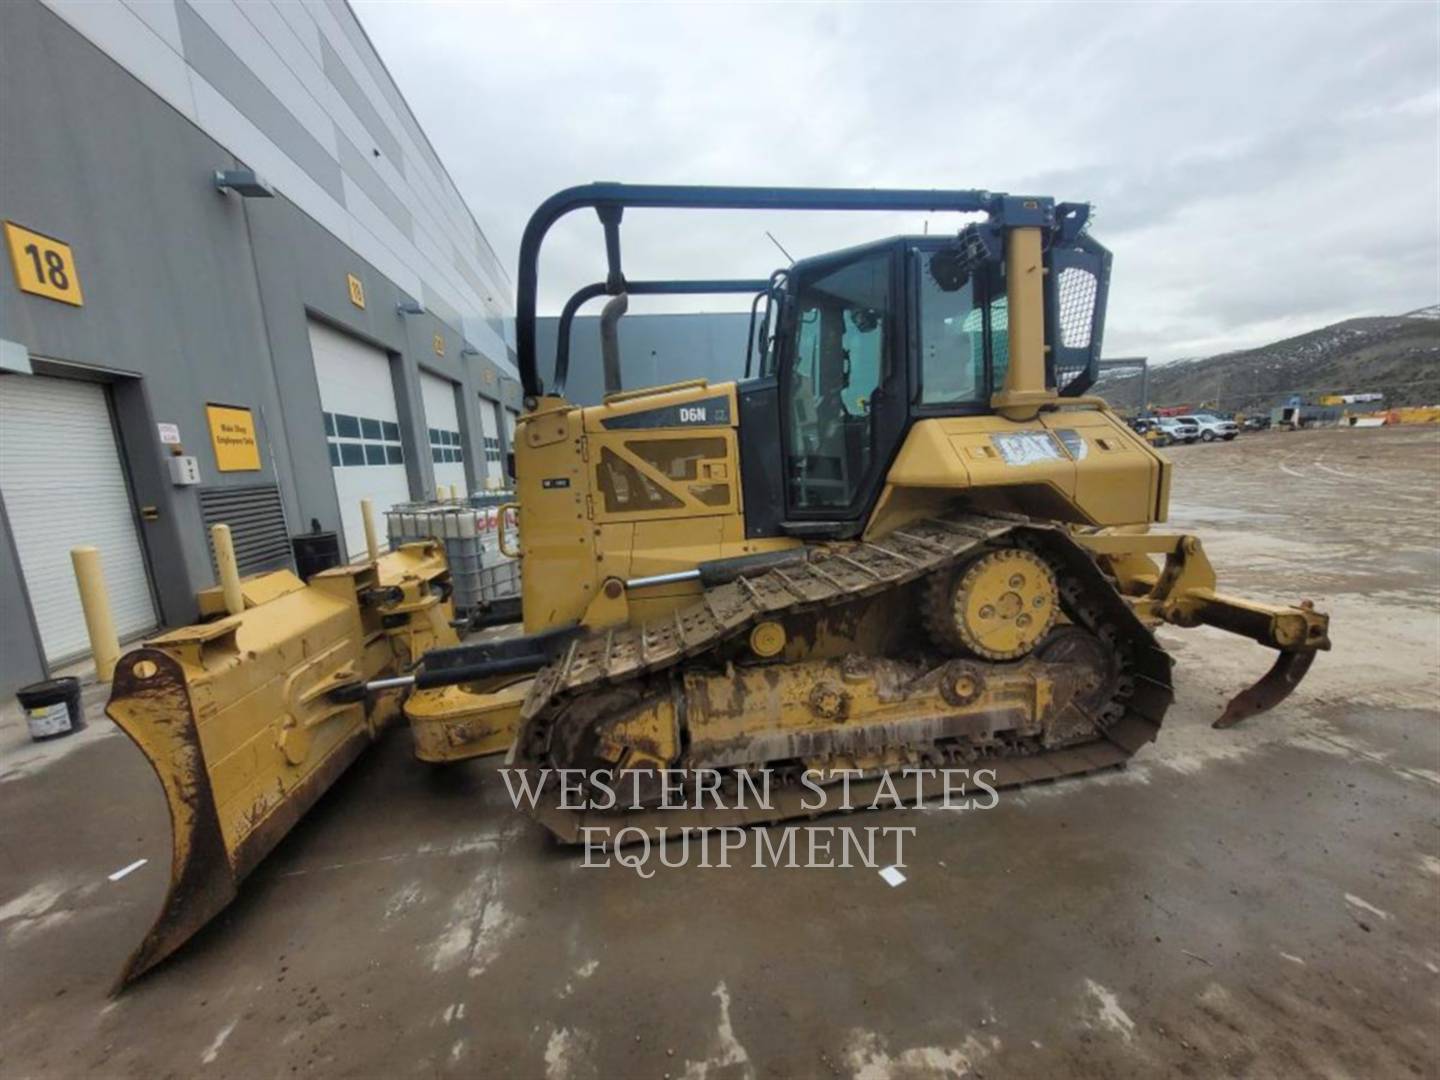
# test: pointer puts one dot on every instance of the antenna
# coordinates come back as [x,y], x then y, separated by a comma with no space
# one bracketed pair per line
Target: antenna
[780,246]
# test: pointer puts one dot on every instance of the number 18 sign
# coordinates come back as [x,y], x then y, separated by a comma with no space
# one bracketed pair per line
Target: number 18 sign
[43,265]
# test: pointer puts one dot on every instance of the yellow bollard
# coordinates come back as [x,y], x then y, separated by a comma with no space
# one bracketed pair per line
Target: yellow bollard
[367,512]
[99,623]
[229,568]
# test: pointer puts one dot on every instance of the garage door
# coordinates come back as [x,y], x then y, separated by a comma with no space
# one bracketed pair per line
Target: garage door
[444,431]
[490,422]
[64,486]
[362,427]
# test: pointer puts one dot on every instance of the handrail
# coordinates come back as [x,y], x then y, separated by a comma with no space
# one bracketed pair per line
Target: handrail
[611,200]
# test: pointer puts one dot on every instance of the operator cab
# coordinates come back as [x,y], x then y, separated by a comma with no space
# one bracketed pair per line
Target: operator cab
[858,344]
[855,345]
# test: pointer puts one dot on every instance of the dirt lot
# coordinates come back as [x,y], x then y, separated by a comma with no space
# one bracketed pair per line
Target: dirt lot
[1259,902]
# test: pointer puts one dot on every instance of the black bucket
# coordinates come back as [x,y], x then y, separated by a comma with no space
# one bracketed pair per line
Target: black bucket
[52,708]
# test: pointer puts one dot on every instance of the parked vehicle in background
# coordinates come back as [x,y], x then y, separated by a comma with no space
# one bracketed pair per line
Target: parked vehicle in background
[1179,429]
[1256,423]
[1149,430]
[1212,427]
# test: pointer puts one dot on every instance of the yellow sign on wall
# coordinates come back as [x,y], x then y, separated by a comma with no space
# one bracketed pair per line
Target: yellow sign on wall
[43,265]
[439,344]
[357,290]
[232,433]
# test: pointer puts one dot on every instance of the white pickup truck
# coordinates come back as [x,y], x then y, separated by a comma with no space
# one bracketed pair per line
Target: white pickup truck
[1212,427]
[1179,428]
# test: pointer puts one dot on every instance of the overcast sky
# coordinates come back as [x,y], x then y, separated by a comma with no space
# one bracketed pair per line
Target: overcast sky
[1258,170]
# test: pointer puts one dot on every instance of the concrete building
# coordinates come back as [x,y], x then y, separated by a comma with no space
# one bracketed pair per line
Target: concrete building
[654,349]
[176,354]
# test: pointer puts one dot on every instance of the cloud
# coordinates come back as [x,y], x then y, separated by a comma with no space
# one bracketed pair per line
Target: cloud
[1256,169]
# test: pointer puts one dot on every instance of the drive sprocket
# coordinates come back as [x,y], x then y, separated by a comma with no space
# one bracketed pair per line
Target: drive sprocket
[998,606]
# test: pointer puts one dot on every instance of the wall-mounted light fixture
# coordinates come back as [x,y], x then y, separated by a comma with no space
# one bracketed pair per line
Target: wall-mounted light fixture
[244,182]
[410,307]
[467,351]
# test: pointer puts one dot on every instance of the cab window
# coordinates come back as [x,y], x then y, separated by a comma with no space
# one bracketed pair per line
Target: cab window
[952,340]
[842,332]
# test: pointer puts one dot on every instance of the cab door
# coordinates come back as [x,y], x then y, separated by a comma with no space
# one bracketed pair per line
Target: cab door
[843,386]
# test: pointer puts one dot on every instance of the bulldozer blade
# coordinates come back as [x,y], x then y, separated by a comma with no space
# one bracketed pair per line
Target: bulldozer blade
[241,720]
[155,712]
[151,702]
[1272,688]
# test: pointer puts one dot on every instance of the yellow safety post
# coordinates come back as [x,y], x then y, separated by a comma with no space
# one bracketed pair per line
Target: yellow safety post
[229,568]
[367,512]
[95,601]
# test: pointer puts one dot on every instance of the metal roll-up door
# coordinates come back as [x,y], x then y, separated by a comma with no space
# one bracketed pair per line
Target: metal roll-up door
[362,427]
[443,431]
[490,425]
[64,487]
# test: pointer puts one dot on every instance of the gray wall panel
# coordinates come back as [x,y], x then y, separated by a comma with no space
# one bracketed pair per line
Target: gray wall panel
[381,76]
[444,311]
[353,162]
[275,83]
[190,297]
[213,59]
[485,292]
[340,77]
[164,262]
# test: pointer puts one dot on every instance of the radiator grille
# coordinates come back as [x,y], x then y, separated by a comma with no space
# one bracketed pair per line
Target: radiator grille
[257,525]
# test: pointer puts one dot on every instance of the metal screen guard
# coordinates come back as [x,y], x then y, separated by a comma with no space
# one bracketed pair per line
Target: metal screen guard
[1076,290]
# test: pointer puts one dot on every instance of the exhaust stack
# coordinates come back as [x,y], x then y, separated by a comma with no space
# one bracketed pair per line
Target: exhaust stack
[610,340]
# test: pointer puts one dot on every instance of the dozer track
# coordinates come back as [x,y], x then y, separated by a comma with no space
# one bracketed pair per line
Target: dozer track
[1106,683]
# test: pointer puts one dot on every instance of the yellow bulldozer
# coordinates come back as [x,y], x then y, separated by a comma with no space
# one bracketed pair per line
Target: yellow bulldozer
[906,538]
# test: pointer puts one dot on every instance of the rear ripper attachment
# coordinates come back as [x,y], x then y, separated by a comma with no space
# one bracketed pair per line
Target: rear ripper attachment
[1182,592]
[238,719]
